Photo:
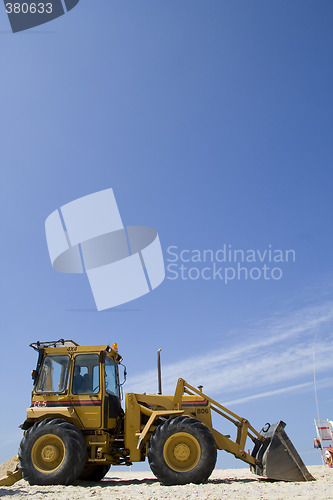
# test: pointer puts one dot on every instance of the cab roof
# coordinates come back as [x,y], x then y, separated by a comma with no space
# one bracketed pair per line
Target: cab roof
[62,346]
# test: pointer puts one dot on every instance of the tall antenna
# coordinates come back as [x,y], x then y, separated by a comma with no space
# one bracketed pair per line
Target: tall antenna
[314,374]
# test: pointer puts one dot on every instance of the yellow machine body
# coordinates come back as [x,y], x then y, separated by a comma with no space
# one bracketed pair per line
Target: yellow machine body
[77,395]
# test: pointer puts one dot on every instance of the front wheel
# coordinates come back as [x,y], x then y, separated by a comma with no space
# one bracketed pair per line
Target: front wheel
[182,450]
[52,451]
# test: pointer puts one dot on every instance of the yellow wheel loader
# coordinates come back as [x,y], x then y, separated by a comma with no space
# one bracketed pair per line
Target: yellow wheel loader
[76,428]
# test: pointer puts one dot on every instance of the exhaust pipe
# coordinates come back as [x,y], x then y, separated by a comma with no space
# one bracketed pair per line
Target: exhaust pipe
[159,372]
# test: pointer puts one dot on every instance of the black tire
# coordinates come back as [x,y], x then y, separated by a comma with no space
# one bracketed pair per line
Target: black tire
[94,472]
[182,450]
[52,451]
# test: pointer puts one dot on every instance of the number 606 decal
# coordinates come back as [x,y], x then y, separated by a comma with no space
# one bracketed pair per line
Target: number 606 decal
[202,410]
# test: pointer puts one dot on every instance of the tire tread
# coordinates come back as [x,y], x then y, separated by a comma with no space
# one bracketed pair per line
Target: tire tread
[75,446]
[182,423]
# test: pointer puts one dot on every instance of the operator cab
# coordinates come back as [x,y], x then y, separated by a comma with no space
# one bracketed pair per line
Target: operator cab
[80,377]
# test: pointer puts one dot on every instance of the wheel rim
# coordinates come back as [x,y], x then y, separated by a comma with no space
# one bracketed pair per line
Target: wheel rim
[48,453]
[182,452]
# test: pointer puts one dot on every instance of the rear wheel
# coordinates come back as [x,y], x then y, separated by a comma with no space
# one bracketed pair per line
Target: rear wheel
[52,451]
[182,450]
[94,472]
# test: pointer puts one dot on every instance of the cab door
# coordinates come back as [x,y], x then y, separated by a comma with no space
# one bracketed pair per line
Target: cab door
[86,390]
[112,406]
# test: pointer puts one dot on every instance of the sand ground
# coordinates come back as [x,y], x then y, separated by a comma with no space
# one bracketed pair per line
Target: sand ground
[229,483]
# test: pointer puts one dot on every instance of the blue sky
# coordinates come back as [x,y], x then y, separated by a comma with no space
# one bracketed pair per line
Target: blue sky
[212,122]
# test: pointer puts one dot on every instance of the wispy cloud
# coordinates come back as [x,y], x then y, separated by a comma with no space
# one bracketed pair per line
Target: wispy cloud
[292,388]
[274,357]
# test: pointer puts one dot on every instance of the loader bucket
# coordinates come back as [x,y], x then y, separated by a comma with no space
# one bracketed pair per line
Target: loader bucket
[277,457]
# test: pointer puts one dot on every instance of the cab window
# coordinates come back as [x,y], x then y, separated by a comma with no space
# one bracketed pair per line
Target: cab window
[53,375]
[111,378]
[86,374]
